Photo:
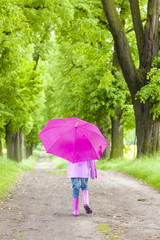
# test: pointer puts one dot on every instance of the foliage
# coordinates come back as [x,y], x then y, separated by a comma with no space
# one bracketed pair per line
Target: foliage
[35,124]
[151,91]
[19,82]
[130,138]
[136,62]
[79,70]
[66,48]
[19,96]
[25,29]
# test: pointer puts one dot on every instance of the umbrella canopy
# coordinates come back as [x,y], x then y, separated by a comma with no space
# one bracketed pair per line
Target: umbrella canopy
[73,139]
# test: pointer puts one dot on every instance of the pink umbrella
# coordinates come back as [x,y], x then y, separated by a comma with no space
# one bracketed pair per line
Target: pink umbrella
[73,139]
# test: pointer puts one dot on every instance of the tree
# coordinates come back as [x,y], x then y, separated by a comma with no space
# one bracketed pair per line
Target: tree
[12,28]
[77,81]
[20,82]
[147,127]
[26,27]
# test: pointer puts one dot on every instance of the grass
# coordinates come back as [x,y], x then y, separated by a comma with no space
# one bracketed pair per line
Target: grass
[29,163]
[107,231]
[10,170]
[58,162]
[145,168]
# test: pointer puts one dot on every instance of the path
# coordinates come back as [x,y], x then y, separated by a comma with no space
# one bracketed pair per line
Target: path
[41,203]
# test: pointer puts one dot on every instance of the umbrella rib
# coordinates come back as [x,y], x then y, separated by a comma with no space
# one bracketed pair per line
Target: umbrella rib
[92,146]
[50,129]
[89,133]
[59,139]
[97,134]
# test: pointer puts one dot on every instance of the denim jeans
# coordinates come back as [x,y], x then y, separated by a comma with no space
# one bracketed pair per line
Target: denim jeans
[78,183]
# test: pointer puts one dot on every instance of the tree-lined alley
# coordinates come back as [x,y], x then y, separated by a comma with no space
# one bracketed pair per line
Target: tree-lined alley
[95,60]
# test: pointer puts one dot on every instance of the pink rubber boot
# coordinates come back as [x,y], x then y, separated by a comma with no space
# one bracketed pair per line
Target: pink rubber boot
[75,206]
[86,202]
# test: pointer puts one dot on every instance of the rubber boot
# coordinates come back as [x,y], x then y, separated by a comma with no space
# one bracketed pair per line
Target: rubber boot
[86,202]
[75,206]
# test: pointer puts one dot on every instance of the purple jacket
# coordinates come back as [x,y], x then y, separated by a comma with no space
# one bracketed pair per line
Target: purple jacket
[82,169]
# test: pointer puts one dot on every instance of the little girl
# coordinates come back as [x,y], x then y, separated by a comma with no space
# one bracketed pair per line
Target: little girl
[79,174]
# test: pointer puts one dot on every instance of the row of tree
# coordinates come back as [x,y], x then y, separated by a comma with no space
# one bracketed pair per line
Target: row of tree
[105,69]
[97,60]
[142,78]
[83,78]
[25,29]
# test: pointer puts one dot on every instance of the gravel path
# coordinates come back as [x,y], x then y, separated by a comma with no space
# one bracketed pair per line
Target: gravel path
[40,207]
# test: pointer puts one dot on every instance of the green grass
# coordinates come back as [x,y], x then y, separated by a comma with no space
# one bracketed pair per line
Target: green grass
[107,231]
[29,163]
[10,170]
[58,162]
[145,168]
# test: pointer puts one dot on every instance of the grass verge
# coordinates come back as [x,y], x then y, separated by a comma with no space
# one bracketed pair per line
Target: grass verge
[145,168]
[10,170]
[58,162]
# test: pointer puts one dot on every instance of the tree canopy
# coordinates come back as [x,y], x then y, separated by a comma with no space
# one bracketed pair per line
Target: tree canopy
[90,59]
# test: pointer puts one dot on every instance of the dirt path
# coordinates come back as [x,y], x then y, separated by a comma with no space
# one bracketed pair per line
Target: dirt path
[41,203]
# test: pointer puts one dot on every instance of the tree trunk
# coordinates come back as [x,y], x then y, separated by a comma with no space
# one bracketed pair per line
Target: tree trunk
[9,144]
[29,151]
[1,150]
[147,129]
[147,43]
[107,151]
[159,142]
[104,131]
[117,133]
[117,136]
[15,146]
[13,143]
[21,145]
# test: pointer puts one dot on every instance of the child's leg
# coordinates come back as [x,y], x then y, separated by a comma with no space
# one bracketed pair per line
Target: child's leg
[75,195]
[76,187]
[84,183]
[84,186]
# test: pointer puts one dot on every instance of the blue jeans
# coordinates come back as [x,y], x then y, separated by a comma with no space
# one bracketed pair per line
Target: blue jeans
[76,186]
